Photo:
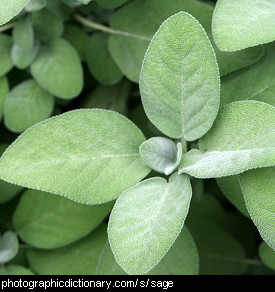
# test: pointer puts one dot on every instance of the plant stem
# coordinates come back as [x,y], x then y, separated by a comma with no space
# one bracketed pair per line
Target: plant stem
[7,26]
[107,29]
[184,145]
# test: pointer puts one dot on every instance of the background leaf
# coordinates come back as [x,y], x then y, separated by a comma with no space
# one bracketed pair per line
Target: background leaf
[88,155]
[267,255]
[179,89]
[241,24]
[140,234]
[9,9]
[4,89]
[5,59]
[8,246]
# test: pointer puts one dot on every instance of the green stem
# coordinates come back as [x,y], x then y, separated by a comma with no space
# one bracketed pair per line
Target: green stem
[107,29]
[7,26]
[184,145]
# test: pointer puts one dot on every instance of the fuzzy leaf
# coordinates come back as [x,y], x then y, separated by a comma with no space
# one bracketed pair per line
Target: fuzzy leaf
[58,69]
[241,24]
[87,155]
[161,154]
[9,9]
[48,221]
[146,220]
[241,138]
[258,190]
[179,89]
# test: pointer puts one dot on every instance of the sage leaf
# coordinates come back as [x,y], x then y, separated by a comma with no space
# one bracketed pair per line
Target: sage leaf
[238,24]
[181,259]
[254,82]
[25,105]
[161,154]
[23,34]
[79,258]
[5,59]
[35,5]
[258,190]
[111,4]
[9,9]
[251,123]
[58,69]
[179,89]
[146,220]
[87,155]
[4,89]
[13,269]
[48,221]
[8,246]
[267,255]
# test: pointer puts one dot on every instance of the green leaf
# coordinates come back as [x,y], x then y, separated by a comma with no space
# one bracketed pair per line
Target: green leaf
[79,258]
[8,246]
[230,186]
[181,259]
[23,34]
[84,1]
[48,221]
[16,270]
[9,9]
[4,89]
[25,105]
[47,26]
[5,59]
[99,60]
[219,252]
[146,220]
[22,58]
[258,190]
[267,255]
[179,89]
[241,24]
[35,5]
[241,85]
[58,69]
[87,155]
[111,4]
[161,154]
[241,138]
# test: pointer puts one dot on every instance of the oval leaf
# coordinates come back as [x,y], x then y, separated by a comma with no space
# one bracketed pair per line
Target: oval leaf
[146,220]
[5,59]
[9,9]
[87,155]
[8,246]
[4,89]
[258,190]
[45,220]
[180,89]
[241,138]
[161,154]
[58,69]
[239,24]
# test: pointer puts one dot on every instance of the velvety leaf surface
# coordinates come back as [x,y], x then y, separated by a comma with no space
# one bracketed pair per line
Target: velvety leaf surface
[9,9]
[58,69]
[25,105]
[241,24]
[161,154]
[79,258]
[258,190]
[48,221]
[179,89]
[146,220]
[255,82]
[181,259]
[87,155]
[241,138]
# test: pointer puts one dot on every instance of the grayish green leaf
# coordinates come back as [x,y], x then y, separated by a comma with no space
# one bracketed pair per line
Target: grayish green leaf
[5,59]
[23,34]
[181,259]
[79,258]
[35,5]
[58,69]
[25,105]
[8,246]
[99,60]
[146,220]
[255,82]
[48,221]
[9,9]
[258,190]
[87,155]
[4,89]
[241,24]
[267,255]
[241,138]
[161,154]
[179,89]
[16,270]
